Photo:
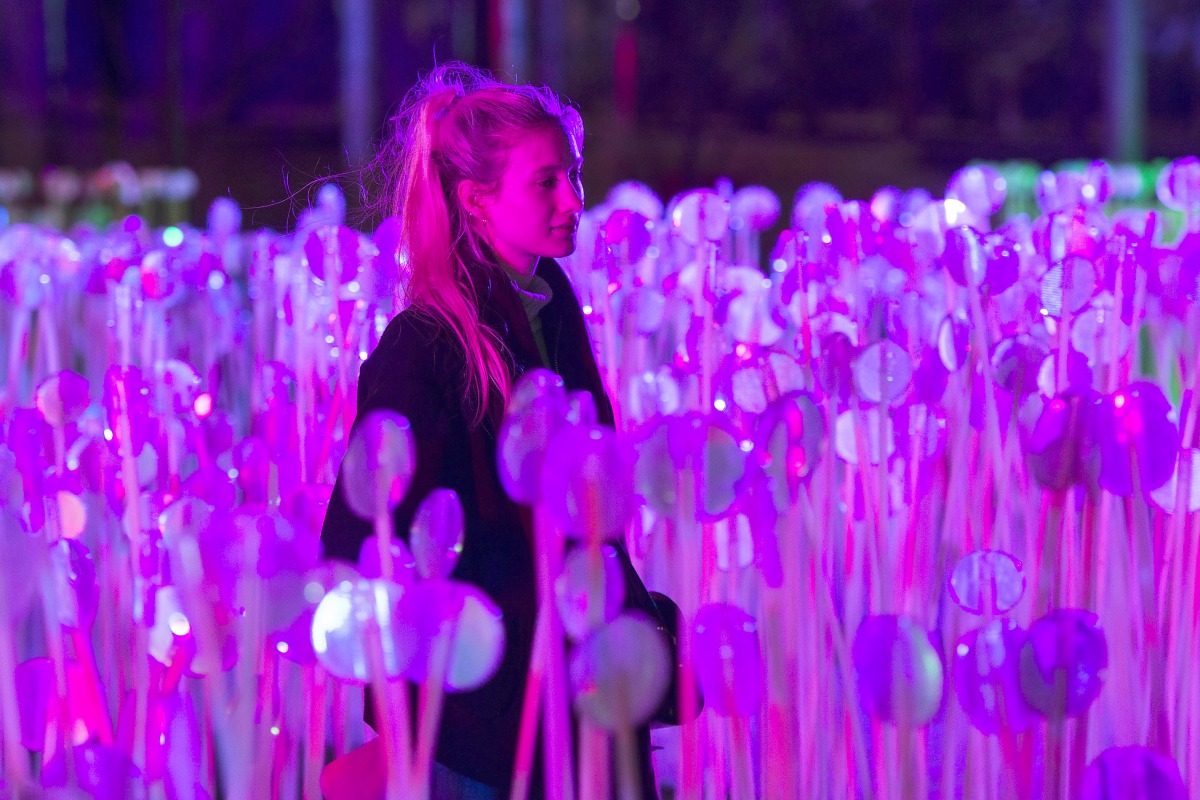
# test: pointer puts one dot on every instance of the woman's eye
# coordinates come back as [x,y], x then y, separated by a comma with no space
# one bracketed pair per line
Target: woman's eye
[549,182]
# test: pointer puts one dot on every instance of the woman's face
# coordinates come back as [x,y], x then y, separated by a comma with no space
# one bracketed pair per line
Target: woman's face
[534,211]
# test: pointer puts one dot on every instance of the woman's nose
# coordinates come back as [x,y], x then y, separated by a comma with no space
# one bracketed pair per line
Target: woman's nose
[574,197]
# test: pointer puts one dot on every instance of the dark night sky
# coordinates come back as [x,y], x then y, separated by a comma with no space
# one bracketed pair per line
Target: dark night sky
[857,92]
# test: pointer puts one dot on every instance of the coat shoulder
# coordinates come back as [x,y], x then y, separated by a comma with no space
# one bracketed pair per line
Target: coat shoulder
[413,347]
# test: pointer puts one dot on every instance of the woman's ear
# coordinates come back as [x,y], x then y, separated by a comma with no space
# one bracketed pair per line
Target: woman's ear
[471,197]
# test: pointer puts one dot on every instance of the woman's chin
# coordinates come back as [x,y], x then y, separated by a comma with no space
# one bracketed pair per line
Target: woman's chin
[561,250]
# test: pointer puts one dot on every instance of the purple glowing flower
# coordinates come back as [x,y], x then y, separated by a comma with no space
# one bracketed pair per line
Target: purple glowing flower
[619,673]
[900,673]
[589,594]
[987,582]
[1063,661]
[1132,773]
[437,534]
[1062,448]
[379,464]
[587,483]
[1136,434]
[987,677]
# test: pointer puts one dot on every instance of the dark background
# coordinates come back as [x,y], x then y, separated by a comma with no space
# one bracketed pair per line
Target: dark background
[259,96]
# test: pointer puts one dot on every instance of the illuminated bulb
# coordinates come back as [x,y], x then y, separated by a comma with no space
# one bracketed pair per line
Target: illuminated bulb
[954,210]
[203,405]
[179,624]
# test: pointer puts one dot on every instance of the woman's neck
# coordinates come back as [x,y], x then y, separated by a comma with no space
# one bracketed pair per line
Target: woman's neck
[521,277]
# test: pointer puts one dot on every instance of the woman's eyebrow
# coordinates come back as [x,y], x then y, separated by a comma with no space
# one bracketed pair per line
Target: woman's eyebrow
[554,166]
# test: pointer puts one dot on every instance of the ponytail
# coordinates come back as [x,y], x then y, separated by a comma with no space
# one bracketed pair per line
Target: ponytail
[457,124]
[448,132]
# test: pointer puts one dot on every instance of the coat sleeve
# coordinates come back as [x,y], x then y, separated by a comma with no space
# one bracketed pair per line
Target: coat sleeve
[401,375]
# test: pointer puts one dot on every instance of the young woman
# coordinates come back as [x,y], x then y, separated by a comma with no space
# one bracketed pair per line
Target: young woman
[487,183]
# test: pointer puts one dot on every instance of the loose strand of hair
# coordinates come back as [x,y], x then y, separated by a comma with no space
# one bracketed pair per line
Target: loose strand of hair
[443,286]
[451,127]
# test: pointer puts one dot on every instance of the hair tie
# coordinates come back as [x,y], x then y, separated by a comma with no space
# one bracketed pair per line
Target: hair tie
[441,101]
[437,105]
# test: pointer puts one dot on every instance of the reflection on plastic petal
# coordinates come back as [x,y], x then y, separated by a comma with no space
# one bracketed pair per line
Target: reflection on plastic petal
[620,672]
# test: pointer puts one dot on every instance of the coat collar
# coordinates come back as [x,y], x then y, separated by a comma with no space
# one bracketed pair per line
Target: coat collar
[564,331]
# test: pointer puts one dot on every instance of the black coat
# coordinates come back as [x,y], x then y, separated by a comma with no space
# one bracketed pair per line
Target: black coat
[417,371]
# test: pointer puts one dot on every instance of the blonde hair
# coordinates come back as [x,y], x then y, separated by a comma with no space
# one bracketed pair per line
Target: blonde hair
[458,123]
